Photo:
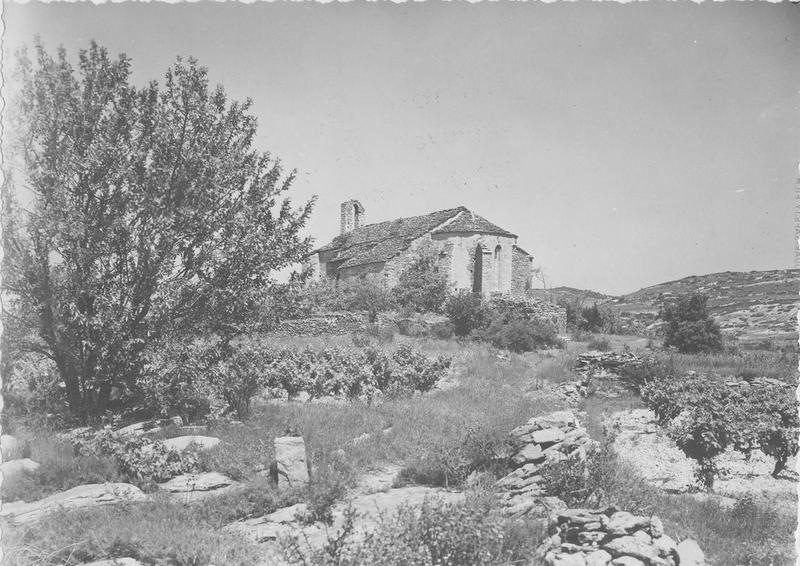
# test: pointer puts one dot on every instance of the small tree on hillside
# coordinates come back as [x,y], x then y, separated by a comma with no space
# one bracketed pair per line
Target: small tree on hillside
[422,287]
[690,329]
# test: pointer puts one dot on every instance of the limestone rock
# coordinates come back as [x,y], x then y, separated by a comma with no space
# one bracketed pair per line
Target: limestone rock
[690,554]
[622,522]
[514,481]
[530,453]
[665,545]
[590,537]
[16,469]
[561,559]
[656,527]
[627,561]
[548,436]
[206,481]
[559,419]
[287,514]
[290,455]
[181,443]
[12,448]
[598,558]
[631,546]
[136,429]
[89,495]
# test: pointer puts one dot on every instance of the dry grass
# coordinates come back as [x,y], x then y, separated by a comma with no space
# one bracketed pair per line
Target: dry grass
[486,393]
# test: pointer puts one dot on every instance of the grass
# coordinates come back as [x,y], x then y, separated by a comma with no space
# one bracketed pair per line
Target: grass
[158,531]
[439,437]
[748,534]
[487,398]
[60,469]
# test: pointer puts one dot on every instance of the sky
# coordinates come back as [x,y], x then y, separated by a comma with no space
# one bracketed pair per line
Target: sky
[625,144]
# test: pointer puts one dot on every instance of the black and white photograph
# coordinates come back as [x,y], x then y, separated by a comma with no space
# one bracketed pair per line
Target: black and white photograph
[387,283]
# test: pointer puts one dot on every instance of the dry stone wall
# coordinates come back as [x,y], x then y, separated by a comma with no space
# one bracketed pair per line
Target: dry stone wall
[546,439]
[600,537]
[329,323]
[582,537]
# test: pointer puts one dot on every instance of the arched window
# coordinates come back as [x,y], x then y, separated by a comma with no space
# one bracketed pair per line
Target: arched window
[497,251]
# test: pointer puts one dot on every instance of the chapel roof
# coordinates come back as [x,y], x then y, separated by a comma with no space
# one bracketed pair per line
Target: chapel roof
[382,241]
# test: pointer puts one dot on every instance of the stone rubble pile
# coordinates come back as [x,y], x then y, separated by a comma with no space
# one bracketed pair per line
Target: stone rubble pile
[546,439]
[586,537]
[605,364]
[573,391]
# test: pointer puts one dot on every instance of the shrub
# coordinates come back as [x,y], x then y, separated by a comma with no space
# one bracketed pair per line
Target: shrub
[705,417]
[194,378]
[172,381]
[141,459]
[432,533]
[519,335]
[601,344]
[236,374]
[443,330]
[689,327]
[422,287]
[352,374]
[467,312]
[368,294]
[478,450]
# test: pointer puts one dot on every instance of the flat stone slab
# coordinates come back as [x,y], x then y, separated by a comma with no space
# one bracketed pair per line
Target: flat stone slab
[181,443]
[547,436]
[191,487]
[530,453]
[80,497]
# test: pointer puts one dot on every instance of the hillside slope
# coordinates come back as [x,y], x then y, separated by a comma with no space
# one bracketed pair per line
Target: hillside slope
[752,306]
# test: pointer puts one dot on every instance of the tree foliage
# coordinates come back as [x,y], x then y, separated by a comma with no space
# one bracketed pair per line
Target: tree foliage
[151,210]
[422,287]
[690,329]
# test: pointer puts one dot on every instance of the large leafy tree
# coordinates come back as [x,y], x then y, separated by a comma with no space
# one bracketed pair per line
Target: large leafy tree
[151,210]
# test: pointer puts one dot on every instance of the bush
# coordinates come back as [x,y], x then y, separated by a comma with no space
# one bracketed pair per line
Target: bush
[369,294]
[421,287]
[352,374]
[140,459]
[449,465]
[689,327]
[519,335]
[601,344]
[467,312]
[443,330]
[705,417]
[432,533]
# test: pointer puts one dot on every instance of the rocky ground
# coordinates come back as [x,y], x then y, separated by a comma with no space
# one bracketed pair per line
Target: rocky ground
[647,448]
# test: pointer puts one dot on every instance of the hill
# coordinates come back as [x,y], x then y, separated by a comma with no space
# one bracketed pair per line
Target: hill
[753,306]
[571,294]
